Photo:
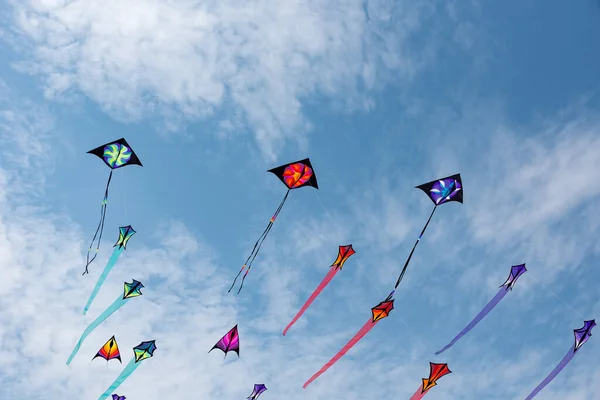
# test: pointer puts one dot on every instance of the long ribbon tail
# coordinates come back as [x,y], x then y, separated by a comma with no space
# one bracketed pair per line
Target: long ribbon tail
[359,335]
[128,370]
[258,245]
[490,305]
[563,363]
[99,229]
[419,394]
[313,296]
[118,303]
[109,266]
[413,250]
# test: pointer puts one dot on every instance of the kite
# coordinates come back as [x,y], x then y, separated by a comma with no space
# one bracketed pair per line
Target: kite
[440,191]
[294,175]
[436,371]
[110,351]
[379,312]
[229,342]
[582,335]
[141,352]
[115,154]
[344,253]
[125,233]
[258,389]
[515,272]
[117,397]
[131,290]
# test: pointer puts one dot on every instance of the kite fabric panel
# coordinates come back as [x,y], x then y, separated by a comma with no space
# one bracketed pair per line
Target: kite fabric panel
[294,176]
[259,388]
[436,371]
[515,272]
[117,397]
[141,352]
[110,351]
[582,335]
[116,154]
[229,342]
[125,233]
[131,290]
[439,191]
[344,252]
[379,312]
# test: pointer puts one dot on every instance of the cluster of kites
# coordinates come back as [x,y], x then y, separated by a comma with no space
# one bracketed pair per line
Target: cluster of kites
[294,175]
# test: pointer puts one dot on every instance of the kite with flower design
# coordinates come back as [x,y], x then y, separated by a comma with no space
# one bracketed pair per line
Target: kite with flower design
[344,252]
[294,175]
[440,191]
[117,154]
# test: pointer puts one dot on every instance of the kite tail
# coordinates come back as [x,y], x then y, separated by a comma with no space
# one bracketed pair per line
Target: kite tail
[109,266]
[313,296]
[258,244]
[563,363]
[128,370]
[413,250]
[359,335]
[419,394]
[490,305]
[237,276]
[100,227]
[118,303]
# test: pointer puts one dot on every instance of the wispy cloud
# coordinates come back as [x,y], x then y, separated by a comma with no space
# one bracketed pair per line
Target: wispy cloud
[183,60]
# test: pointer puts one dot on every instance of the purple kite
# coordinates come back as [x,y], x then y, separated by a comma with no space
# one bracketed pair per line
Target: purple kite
[229,342]
[582,335]
[258,389]
[117,397]
[515,272]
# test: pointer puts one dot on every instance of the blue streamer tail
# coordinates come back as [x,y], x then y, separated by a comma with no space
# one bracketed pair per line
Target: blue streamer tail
[109,266]
[128,370]
[118,303]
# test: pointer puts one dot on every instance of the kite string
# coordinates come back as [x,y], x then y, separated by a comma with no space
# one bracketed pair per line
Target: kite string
[555,295]
[412,333]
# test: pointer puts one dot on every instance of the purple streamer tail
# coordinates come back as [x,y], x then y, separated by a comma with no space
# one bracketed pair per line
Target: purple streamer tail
[489,307]
[563,363]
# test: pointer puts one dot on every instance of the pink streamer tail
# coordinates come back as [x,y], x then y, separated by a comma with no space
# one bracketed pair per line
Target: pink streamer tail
[359,335]
[418,395]
[313,296]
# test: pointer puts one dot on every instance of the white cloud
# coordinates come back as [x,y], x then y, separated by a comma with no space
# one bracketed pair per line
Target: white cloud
[184,59]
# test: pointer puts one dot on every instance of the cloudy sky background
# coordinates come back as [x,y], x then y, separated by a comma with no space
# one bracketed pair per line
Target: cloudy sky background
[382,95]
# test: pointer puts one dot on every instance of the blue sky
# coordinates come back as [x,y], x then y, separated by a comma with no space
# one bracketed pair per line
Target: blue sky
[382,96]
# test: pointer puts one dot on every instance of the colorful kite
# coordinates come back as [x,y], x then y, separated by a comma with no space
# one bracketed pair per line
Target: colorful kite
[131,290]
[294,175]
[110,351]
[379,312]
[436,371]
[141,352]
[258,389]
[439,191]
[115,154]
[582,335]
[125,233]
[344,253]
[229,342]
[117,397]
[515,272]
